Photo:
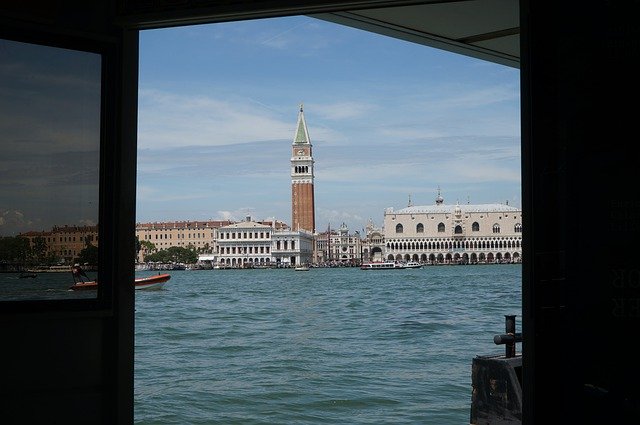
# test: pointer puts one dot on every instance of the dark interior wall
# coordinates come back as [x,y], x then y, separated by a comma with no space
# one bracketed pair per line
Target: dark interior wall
[52,369]
[582,282]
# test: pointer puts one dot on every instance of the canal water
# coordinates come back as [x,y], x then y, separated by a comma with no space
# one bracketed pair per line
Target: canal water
[324,346]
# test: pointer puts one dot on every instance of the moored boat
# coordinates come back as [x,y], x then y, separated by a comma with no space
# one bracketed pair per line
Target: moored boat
[302,268]
[149,282]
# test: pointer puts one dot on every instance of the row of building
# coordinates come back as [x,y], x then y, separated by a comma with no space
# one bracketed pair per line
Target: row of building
[434,234]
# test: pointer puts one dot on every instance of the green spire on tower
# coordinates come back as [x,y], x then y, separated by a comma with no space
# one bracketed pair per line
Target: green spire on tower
[302,134]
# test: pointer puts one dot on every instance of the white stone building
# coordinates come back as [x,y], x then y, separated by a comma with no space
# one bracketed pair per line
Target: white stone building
[243,244]
[290,248]
[249,244]
[454,234]
[373,246]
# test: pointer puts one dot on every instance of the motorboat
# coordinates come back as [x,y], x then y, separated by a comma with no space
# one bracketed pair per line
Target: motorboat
[383,265]
[149,282]
[302,268]
[413,265]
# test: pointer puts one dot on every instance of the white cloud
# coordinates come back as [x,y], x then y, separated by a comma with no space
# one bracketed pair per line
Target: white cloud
[238,214]
[173,120]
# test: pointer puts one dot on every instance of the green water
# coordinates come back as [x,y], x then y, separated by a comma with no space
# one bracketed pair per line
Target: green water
[327,346]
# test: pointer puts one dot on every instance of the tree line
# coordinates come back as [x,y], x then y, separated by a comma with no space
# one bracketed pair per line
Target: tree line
[174,254]
[17,250]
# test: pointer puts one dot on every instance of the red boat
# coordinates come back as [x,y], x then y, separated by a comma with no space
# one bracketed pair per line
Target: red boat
[149,282]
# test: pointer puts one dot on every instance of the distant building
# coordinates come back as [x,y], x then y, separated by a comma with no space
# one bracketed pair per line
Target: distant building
[196,234]
[454,234]
[292,247]
[373,246]
[338,247]
[243,244]
[65,242]
[251,244]
[302,191]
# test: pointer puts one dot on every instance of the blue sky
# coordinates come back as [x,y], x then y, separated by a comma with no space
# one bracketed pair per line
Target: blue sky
[388,119]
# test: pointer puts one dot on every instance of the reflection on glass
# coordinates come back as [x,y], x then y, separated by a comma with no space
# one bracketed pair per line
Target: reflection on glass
[49,169]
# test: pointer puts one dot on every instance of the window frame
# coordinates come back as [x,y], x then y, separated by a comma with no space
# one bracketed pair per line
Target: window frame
[108,51]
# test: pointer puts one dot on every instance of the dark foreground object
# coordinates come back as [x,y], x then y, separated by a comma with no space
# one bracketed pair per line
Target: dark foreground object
[496,395]
[496,381]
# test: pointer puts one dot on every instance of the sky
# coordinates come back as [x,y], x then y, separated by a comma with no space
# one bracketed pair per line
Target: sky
[388,119]
[50,135]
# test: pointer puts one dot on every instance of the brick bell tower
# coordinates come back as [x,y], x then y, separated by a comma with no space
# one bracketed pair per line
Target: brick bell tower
[303,215]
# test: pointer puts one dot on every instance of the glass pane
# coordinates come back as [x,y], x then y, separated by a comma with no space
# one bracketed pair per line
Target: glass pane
[49,170]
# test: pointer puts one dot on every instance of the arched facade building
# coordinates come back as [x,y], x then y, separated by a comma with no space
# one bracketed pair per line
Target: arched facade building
[454,234]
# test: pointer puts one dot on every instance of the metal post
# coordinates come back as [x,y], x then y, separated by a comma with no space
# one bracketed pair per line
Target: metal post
[510,329]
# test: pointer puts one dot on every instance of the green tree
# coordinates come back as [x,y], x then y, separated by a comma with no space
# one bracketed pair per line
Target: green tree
[149,249]
[14,249]
[174,254]
[39,251]
[89,255]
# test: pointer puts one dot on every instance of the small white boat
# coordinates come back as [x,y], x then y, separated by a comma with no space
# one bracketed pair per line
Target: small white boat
[383,265]
[302,268]
[413,265]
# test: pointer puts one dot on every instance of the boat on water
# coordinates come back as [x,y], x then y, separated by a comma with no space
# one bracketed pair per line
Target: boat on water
[302,268]
[383,265]
[150,282]
[27,275]
[390,265]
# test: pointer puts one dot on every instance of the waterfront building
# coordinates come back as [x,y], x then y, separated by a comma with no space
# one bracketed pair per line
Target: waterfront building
[244,244]
[338,247]
[373,246]
[454,234]
[64,242]
[320,245]
[292,247]
[199,235]
[252,244]
[302,191]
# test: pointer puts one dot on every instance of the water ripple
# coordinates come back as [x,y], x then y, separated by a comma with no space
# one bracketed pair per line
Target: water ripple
[335,346]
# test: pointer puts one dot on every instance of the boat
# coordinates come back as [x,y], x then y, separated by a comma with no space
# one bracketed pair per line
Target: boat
[27,275]
[383,265]
[155,281]
[302,268]
[150,282]
[413,265]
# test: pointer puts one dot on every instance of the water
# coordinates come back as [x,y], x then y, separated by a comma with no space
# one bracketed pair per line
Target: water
[45,286]
[327,346]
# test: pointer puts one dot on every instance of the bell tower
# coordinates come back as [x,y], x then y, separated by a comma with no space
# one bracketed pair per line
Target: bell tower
[303,216]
